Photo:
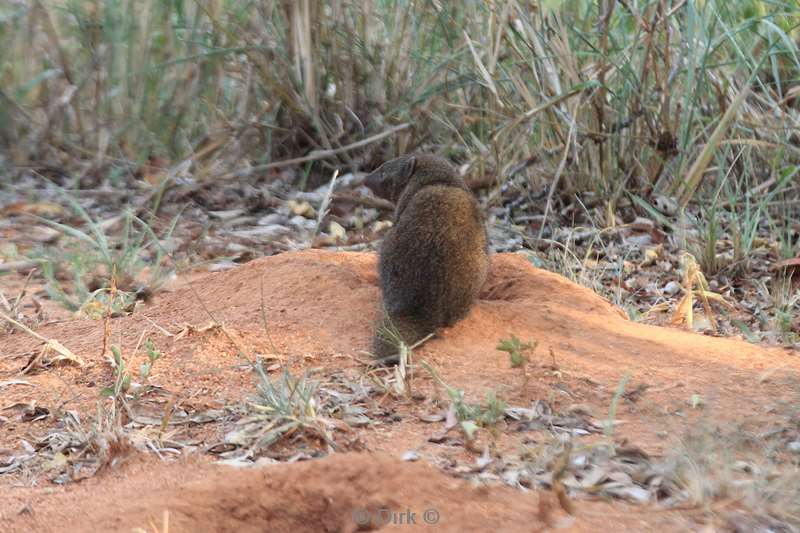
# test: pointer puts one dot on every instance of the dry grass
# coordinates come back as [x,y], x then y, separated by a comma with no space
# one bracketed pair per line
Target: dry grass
[606,97]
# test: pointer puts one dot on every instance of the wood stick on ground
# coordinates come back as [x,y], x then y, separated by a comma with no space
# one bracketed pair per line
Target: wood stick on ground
[50,344]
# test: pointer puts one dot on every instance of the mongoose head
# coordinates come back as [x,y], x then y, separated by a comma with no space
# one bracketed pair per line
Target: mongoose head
[412,172]
[389,179]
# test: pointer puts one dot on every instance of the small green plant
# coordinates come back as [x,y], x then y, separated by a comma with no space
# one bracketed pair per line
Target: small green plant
[77,449]
[471,416]
[388,332]
[153,355]
[706,248]
[122,378]
[785,300]
[122,373]
[492,411]
[287,398]
[608,425]
[284,406]
[517,350]
[134,257]
[399,384]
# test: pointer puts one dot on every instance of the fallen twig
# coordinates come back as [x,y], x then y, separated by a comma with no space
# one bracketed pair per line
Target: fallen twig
[316,154]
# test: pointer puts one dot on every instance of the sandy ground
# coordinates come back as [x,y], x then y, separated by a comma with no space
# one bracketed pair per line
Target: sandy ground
[319,308]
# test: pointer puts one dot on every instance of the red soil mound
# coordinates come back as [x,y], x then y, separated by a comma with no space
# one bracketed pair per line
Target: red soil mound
[345,492]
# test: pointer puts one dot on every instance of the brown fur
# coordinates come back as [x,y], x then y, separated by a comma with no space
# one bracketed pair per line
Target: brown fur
[434,259]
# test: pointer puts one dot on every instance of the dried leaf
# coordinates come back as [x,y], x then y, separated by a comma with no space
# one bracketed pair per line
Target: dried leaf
[683,311]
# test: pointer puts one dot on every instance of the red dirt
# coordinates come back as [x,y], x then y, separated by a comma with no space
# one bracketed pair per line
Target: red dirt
[319,308]
[330,494]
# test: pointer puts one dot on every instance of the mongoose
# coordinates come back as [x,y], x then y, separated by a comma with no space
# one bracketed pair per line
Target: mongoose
[434,259]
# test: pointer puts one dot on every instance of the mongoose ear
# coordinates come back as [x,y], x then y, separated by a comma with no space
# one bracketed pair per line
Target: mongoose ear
[408,168]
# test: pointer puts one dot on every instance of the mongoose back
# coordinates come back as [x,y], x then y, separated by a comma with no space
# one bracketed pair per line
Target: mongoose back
[434,259]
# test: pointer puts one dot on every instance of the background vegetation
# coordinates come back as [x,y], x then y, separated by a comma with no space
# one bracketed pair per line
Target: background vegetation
[626,94]
[666,104]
